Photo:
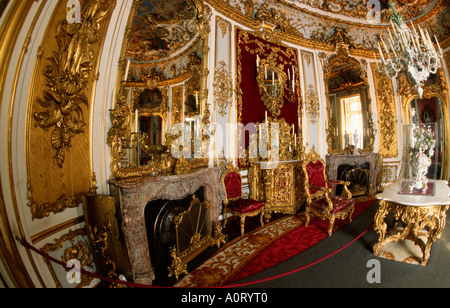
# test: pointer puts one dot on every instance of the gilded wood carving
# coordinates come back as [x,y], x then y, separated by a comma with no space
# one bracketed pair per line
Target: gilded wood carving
[63,82]
[78,249]
[70,69]
[387,116]
[222,88]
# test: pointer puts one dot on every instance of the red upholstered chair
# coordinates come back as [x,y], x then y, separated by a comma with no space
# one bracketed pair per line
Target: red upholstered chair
[318,193]
[234,203]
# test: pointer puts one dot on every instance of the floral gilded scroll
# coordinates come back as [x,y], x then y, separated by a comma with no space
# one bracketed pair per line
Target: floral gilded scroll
[387,116]
[59,167]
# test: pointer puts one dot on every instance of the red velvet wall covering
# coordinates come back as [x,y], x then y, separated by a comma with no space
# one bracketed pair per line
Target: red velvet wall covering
[250,107]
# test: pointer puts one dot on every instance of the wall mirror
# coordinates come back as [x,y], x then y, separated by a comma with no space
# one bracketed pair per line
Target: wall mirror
[161,96]
[350,124]
[271,81]
[432,108]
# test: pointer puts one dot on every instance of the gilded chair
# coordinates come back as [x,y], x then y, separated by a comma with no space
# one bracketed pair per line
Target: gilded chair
[234,203]
[318,188]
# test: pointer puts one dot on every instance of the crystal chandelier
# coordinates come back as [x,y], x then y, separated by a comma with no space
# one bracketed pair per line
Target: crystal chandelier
[410,49]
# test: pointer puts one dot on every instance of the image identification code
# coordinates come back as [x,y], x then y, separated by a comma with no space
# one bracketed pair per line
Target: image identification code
[234,297]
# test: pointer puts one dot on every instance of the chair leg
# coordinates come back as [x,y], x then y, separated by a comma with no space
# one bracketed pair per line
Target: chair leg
[307,218]
[261,219]
[330,227]
[242,225]
[225,220]
[350,214]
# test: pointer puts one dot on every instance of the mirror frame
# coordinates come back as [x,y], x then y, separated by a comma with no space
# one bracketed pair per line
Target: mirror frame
[273,104]
[437,89]
[120,136]
[336,60]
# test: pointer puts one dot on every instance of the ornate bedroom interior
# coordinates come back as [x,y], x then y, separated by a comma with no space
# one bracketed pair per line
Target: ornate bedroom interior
[118,119]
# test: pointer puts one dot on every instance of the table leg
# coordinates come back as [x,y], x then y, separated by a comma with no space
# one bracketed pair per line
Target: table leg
[435,232]
[380,226]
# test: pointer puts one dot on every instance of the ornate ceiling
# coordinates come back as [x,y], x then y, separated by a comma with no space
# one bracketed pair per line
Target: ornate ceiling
[163,32]
[161,28]
[362,10]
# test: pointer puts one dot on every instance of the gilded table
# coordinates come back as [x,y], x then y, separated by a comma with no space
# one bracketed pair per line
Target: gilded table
[415,213]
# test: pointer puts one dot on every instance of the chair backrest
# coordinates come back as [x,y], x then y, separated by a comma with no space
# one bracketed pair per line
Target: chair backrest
[232,183]
[315,176]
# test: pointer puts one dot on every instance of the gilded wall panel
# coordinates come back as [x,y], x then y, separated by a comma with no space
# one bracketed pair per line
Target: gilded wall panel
[387,115]
[223,88]
[312,106]
[177,104]
[58,142]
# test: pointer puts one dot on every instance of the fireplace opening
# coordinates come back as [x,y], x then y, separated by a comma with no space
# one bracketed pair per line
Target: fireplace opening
[160,218]
[358,176]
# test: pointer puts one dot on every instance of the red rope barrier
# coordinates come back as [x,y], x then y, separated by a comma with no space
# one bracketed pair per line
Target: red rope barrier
[111,280]
[138,285]
[298,269]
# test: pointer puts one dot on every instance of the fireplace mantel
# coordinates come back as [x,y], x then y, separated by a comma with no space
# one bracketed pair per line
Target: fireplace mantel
[334,161]
[133,195]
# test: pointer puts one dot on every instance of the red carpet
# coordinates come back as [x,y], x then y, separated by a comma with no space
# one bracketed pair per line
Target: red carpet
[294,243]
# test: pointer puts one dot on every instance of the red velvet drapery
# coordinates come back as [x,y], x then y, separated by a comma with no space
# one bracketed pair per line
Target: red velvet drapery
[250,106]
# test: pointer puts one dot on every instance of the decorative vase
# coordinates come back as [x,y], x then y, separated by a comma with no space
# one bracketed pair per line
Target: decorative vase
[419,179]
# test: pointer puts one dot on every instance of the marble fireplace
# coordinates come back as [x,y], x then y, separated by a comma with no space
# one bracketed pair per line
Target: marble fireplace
[371,159]
[132,197]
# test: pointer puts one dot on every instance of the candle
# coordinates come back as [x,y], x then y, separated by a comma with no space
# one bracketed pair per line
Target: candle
[266,117]
[295,140]
[414,29]
[384,46]
[393,27]
[273,77]
[127,69]
[429,41]
[392,47]
[423,37]
[257,60]
[390,35]
[265,72]
[293,79]
[381,53]
[437,42]
[136,121]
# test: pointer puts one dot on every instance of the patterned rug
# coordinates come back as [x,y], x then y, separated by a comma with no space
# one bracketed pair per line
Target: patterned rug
[264,247]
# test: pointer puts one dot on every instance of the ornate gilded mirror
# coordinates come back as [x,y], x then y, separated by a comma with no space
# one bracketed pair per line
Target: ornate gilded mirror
[271,81]
[350,124]
[161,96]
